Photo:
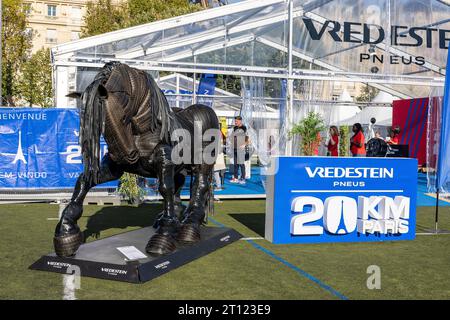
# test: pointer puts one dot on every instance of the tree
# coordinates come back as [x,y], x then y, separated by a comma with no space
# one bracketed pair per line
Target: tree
[102,16]
[130,189]
[144,11]
[35,84]
[367,94]
[309,129]
[16,46]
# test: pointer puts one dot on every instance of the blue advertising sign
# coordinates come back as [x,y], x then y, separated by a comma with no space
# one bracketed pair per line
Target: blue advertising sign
[324,199]
[443,165]
[39,148]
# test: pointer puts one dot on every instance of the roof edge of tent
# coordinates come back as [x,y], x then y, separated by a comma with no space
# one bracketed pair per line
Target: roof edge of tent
[159,25]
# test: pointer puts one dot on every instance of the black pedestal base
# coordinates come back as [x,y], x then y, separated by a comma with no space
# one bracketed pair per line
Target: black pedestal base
[101,259]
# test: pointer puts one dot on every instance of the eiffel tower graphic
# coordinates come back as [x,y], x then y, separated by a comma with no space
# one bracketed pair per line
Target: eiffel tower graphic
[19,153]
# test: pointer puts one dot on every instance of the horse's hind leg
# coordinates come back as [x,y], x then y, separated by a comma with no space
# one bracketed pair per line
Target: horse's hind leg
[195,213]
[68,236]
[179,208]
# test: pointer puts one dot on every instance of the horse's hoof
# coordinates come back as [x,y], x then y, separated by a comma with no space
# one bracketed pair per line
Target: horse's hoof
[189,233]
[160,244]
[66,246]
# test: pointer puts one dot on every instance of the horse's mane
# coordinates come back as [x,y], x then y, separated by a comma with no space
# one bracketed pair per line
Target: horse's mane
[92,123]
[148,110]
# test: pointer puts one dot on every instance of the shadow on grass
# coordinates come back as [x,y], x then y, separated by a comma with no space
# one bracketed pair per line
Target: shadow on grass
[121,217]
[253,221]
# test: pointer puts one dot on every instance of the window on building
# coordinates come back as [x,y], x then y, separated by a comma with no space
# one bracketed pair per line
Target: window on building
[75,35]
[51,10]
[75,13]
[52,36]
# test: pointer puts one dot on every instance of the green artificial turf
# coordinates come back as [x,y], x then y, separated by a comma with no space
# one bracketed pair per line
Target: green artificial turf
[418,269]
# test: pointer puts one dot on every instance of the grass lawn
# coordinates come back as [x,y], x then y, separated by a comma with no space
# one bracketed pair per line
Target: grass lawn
[418,269]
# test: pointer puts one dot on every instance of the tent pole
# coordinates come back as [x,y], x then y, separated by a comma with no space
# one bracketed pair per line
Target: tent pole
[436,218]
[290,82]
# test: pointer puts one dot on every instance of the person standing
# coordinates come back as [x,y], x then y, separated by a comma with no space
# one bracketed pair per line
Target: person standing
[238,140]
[371,129]
[394,136]
[219,166]
[357,141]
[333,142]
[316,144]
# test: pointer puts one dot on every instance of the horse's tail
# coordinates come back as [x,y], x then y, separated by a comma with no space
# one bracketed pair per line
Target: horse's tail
[91,127]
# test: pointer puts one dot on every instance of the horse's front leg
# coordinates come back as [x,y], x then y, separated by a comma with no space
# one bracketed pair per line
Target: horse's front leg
[195,213]
[179,179]
[163,241]
[68,236]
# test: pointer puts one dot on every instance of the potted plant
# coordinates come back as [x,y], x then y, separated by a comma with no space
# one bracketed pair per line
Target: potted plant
[344,139]
[309,129]
[130,189]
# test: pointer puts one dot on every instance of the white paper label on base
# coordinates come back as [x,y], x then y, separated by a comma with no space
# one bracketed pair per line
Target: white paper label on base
[132,253]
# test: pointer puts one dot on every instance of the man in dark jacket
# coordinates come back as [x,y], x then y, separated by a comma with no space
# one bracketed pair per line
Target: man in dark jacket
[238,141]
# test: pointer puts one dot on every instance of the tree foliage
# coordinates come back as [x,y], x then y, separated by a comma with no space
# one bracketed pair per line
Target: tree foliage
[367,93]
[130,189]
[16,47]
[309,129]
[144,11]
[35,83]
[344,139]
[104,16]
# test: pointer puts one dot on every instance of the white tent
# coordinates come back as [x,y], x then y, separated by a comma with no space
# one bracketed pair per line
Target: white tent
[345,96]
[340,114]
[384,97]
[383,115]
[332,114]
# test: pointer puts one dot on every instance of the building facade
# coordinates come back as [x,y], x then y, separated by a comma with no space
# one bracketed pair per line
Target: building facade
[55,21]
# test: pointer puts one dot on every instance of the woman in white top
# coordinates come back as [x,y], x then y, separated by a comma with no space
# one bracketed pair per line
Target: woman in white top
[219,166]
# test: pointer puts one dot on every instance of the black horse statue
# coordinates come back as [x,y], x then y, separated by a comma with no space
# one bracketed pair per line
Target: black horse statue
[126,106]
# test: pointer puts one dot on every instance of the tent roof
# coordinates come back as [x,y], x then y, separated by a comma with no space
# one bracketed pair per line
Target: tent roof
[252,38]
[383,97]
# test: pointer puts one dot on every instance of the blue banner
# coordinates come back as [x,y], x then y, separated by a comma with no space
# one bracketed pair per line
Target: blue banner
[443,166]
[39,149]
[207,84]
[323,199]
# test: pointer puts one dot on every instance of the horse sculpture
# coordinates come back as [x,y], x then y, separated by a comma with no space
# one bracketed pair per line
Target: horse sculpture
[126,106]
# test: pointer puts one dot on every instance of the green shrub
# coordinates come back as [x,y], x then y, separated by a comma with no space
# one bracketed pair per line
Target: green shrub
[308,129]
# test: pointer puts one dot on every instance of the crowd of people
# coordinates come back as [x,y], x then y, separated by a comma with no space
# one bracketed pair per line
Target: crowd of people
[358,140]
[239,149]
